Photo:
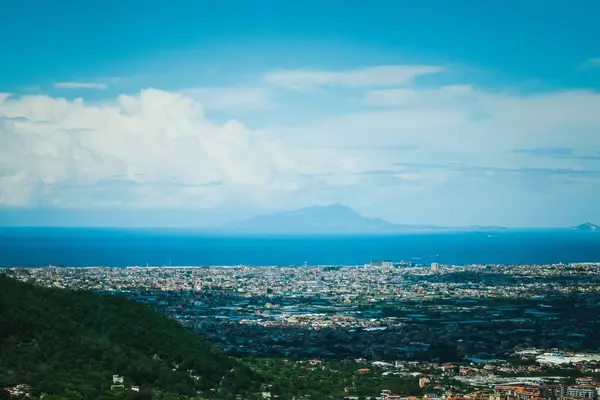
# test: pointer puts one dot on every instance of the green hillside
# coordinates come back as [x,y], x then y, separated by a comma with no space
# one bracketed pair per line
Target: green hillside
[69,344]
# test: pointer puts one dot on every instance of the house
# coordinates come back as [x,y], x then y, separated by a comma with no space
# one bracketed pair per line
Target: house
[135,388]
[387,395]
[399,365]
[382,364]
[424,382]
[117,380]
[19,390]
[481,394]
[516,392]
[582,391]
[584,380]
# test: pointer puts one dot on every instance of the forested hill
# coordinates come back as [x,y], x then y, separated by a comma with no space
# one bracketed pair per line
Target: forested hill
[69,344]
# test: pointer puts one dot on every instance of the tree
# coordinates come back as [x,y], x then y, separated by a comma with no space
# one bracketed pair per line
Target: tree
[68,344]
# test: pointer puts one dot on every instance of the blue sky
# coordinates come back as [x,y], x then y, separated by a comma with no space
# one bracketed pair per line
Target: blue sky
[443,112]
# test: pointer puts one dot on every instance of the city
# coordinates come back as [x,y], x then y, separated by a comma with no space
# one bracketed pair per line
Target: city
[492,331]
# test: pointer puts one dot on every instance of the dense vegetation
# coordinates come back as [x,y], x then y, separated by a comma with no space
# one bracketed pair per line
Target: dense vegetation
[68,344]
[329,379]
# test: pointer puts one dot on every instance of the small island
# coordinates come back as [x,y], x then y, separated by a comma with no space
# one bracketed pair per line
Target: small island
[587,227]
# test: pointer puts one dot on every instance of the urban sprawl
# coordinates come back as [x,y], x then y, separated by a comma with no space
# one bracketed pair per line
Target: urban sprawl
[493,332]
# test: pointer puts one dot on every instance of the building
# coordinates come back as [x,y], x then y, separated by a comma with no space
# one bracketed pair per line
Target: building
[424,382]
[20,390]
[582,391]
[553,390]
[435,267]
[382,263]
[584,380]
[387,395]
[517,392]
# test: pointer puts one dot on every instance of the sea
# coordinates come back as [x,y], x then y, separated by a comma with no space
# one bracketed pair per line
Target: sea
[81,247]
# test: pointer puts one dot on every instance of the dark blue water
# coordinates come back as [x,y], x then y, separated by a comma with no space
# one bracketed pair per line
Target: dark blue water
[94,247]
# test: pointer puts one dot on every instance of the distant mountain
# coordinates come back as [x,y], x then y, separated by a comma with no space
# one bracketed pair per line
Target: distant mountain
[587,227]
[332,219]
[484,228]
[335,218]
[341,219]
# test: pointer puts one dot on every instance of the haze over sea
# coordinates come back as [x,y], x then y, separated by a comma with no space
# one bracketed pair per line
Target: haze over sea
[78,247]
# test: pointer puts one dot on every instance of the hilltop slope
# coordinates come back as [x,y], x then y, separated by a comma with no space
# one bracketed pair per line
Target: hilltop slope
[71,343]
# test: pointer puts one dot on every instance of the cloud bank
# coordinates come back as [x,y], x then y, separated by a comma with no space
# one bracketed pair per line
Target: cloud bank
[449,154]
[80,85]
[155,148]
[383,75]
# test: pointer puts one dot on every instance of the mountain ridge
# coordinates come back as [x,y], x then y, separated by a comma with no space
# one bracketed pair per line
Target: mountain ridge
[587,227]
[335,218]
[338,218]
[331,218]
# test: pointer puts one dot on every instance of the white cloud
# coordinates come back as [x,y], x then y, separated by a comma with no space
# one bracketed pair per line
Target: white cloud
[384,75]
[412,97]
[14,190]
[442,152]
[80,85]
[231,99]
[460,120]
[155,148]
[590,63]
[473,131]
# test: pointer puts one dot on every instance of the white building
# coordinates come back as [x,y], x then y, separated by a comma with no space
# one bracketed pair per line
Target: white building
[382,263]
